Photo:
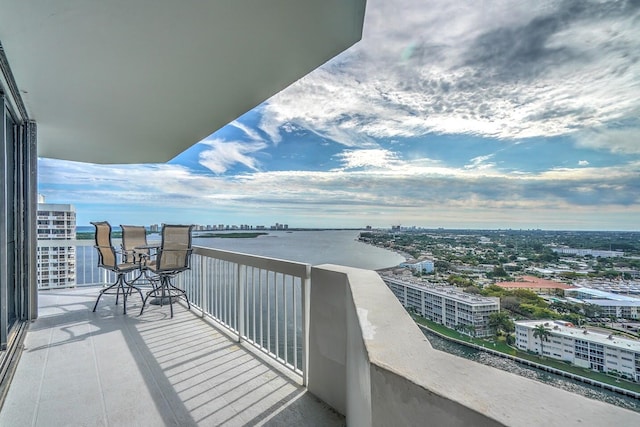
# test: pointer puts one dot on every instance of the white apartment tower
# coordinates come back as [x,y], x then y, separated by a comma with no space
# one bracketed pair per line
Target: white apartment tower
[56,254]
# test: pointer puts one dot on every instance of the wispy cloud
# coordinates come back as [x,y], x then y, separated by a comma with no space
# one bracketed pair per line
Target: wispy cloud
[480,162]
[250,132]
[224,154]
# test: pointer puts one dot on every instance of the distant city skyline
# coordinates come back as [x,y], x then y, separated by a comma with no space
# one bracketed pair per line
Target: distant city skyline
[480,115]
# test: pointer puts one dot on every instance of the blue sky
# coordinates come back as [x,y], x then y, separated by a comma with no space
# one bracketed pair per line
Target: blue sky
[492,114]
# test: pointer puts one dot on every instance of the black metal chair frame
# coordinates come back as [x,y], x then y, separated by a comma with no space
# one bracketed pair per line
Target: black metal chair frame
[165,290]
[121,285]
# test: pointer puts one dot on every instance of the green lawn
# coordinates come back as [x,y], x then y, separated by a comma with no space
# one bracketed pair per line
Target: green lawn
[501,346]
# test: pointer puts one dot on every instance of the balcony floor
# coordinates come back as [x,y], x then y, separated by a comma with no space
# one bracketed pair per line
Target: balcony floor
[107,369]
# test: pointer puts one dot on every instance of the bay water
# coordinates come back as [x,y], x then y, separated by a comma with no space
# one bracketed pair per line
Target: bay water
[312,247]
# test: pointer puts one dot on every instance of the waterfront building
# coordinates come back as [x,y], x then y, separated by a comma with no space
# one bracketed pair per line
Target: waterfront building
[447,305]
[56,253]
[581,347]
[612,305]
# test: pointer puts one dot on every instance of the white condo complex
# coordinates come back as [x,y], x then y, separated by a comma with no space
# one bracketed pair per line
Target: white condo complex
[581,347]
[447,305]
[56,253]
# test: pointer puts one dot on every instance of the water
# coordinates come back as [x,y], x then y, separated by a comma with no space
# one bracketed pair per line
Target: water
[532,373]
[312,247]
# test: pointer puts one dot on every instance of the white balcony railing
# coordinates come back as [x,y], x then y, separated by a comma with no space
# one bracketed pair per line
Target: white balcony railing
[85,265]
[260,299]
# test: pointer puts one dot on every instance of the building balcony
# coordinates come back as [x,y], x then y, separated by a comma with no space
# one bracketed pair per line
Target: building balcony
[105,368]
[270,342]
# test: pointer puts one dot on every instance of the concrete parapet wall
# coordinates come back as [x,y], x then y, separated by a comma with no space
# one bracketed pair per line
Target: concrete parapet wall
[327,351]
[370,361]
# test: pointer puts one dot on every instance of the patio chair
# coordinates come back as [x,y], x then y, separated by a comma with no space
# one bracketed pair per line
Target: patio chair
[135,248]
[108,259]
[172,258]
[134,236]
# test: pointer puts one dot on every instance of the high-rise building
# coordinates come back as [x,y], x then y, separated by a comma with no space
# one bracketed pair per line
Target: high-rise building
[56,254]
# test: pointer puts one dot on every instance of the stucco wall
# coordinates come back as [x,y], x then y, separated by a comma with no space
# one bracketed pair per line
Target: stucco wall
[326,372]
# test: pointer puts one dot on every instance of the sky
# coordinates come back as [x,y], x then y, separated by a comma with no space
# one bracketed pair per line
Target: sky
[466,114]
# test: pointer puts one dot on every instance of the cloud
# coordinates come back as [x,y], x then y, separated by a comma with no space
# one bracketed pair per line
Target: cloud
[403,184]
[583,163]
[480,162]
[225,154]
[507,70]
[622,140]
[377,158]
[251,133]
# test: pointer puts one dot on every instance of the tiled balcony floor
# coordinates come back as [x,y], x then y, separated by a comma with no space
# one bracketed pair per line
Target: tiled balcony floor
[81,368]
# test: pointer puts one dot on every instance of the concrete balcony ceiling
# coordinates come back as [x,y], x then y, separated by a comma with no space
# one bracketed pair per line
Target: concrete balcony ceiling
[141,81]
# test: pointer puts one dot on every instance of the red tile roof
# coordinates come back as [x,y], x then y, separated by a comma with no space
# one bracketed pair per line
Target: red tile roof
[534,282]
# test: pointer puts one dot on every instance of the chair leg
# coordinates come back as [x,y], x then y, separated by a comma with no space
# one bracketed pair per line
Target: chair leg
[153,292]
[131,287]
[166,290]
[124,295]
[170,301]
[120,287]
[102,292]
[129,291]
[184,293]
[144,301]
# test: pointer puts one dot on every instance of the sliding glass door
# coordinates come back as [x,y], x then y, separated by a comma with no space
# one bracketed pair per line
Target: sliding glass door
[16,185]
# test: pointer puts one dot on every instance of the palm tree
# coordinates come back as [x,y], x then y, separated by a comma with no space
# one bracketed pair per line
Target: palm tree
[472,330]
[500,321]
[543,334]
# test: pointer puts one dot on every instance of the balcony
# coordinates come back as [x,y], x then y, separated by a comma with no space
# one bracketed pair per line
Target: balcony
[266,342]
[103,368]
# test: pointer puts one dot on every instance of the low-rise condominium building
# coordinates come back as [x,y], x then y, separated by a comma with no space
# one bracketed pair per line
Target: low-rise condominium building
[611,305]
[590,349]
[447,305]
